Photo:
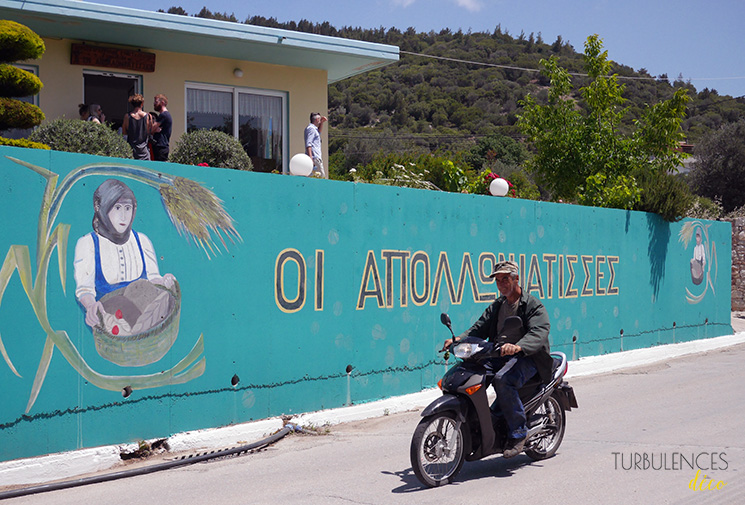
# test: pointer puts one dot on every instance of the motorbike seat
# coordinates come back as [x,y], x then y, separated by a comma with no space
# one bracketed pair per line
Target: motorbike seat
[530,387]
[535,383]
[556,363]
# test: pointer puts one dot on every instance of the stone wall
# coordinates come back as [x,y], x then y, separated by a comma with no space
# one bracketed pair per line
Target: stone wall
[738,264]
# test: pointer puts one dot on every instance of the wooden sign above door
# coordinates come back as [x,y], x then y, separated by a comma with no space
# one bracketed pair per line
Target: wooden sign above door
[111,57]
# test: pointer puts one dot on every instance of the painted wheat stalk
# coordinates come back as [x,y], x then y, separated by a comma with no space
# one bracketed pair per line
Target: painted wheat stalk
[197,213]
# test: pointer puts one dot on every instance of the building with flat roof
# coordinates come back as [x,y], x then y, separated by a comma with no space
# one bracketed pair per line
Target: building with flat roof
[258,84]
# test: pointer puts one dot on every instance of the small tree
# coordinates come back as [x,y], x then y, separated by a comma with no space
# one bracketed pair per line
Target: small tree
[17,43]
[587,157]
[719,170]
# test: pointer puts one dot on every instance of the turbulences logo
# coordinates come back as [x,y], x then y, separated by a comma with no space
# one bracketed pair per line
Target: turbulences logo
[704,464]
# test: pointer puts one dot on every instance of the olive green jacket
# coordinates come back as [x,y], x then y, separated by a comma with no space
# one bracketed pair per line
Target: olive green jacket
[535,323]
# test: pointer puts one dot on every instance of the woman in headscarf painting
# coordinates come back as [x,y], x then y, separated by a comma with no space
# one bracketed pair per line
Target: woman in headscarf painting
[113,257]
[699,260]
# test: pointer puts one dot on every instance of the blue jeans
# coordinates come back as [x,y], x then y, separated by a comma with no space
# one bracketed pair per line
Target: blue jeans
[511,376]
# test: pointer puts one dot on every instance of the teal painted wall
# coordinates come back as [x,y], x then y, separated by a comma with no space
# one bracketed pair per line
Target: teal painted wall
[328,274]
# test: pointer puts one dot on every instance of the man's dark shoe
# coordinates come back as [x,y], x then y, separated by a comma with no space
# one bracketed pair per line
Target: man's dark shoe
[514,447]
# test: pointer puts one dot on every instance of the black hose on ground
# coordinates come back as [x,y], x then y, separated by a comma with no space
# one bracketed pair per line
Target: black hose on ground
[147,469]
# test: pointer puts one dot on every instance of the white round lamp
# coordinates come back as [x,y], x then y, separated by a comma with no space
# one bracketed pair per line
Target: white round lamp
[499,187]
[301,164]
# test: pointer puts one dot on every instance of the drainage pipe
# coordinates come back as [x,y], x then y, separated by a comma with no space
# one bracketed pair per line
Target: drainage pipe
[189,460]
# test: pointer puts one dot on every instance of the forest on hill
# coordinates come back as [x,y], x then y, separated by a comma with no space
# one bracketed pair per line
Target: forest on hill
[457,95]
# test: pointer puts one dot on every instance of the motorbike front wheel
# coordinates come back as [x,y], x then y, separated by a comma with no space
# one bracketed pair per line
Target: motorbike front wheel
[552,415]
[437,449]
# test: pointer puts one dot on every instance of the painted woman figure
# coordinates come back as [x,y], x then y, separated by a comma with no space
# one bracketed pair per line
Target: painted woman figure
[698,262]
[113,255]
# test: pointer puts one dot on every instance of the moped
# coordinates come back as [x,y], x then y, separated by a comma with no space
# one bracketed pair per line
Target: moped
[461,426]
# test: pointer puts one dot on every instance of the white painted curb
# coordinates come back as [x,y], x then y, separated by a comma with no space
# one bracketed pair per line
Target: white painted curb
[592,365]
[66,465]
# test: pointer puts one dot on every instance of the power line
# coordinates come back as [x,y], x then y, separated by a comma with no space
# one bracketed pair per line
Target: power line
[576,74]
[456,60]
[510,67]
[422,137]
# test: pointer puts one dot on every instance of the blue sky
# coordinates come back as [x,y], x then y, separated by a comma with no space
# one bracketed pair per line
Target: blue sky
[702,40]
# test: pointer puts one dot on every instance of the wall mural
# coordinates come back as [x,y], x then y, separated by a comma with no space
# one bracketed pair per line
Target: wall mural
[131,309]
[166,326]
[704,257]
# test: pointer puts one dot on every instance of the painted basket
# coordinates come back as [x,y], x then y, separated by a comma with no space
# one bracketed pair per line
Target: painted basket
[697,272]
[143,348]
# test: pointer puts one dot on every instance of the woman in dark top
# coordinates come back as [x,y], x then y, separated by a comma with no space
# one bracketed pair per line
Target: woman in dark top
[136,128]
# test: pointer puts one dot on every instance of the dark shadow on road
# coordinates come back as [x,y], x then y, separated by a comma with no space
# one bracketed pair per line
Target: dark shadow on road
[496,467]
[410,482]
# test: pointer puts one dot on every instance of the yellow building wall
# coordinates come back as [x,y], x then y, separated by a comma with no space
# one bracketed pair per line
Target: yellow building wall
[307,89]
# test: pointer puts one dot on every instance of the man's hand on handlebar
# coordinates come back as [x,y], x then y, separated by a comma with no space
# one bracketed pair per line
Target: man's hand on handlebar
[510,349]
[446,345]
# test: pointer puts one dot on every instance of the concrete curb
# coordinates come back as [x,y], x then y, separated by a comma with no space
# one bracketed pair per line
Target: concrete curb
[71,464]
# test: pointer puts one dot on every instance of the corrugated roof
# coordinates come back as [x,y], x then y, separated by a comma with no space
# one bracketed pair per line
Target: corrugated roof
[84,21]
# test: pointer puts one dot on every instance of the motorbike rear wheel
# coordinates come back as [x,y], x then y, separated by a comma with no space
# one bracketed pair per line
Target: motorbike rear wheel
[545,443]
[437,449]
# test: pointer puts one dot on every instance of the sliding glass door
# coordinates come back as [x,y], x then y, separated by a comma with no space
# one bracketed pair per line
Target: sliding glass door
[255,117]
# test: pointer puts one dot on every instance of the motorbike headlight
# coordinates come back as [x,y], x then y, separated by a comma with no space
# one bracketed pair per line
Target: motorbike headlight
[464,351]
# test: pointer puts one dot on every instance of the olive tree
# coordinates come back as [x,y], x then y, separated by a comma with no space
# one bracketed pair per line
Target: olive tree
[719,169]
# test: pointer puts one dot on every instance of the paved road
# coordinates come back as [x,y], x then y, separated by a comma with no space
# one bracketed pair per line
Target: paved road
[689,409]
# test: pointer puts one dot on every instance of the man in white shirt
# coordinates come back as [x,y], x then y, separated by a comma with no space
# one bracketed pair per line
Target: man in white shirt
[313,141]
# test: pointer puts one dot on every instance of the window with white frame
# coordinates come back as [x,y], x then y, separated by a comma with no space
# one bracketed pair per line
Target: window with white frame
[255,117]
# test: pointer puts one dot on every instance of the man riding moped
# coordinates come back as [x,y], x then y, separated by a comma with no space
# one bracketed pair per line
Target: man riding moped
[520,360]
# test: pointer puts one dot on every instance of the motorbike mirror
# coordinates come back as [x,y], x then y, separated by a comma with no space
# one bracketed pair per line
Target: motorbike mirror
[445,319]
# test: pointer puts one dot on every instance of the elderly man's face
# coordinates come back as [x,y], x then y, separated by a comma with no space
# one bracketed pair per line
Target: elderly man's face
[506,283]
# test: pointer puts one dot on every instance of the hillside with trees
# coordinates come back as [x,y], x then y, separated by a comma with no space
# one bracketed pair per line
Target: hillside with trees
[451,88]
[453,93]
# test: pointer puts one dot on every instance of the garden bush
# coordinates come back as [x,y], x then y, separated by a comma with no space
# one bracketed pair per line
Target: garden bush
[15,82]
[17,114]
[665,194]
[210,147]
[86,137]
[705,208]
[22,143]
[19,42]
